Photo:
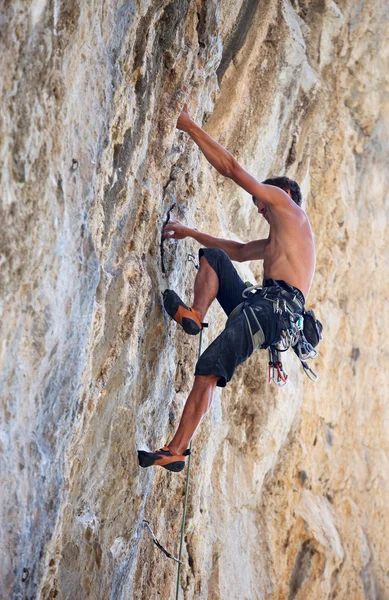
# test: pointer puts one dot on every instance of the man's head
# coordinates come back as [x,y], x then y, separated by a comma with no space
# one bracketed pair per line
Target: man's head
[289,186]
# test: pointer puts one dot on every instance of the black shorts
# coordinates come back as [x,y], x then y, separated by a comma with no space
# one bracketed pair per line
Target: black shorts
[234,345]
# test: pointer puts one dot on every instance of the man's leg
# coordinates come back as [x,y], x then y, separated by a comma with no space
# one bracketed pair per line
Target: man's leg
[196,407]
[205,291]
[199,401]
[216,278]
[216,366]
[206,287]
[230,285]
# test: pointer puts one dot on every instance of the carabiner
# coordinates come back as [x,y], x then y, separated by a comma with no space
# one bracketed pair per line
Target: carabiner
[191,258]
[282,376]
[270,372]
[309,352]
[310,373]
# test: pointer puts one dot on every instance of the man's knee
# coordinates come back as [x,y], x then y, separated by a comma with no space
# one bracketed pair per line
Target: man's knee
[213,253]
[206,380]
[216,258]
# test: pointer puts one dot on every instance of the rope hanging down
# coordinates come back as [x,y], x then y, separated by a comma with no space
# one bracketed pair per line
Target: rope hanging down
[192,259]
[185,501]
[146,523]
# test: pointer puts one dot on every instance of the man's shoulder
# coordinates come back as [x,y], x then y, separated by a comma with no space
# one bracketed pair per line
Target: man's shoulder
[290,212]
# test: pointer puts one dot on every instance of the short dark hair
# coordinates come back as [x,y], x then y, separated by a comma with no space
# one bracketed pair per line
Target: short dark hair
[287,184]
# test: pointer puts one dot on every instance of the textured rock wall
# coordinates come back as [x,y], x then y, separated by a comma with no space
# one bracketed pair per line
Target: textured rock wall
[289,487]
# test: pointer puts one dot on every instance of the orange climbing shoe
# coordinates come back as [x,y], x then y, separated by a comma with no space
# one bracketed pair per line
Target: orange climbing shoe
[188,318]
[163,458]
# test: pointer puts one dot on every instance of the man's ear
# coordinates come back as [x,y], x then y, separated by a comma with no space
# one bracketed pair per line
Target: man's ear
[287,190]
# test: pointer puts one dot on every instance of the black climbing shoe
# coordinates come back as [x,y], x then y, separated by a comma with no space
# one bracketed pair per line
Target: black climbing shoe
[163,458]
[188,318]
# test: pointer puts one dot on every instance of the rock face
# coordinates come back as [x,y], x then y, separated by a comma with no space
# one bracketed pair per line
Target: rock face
[289,488]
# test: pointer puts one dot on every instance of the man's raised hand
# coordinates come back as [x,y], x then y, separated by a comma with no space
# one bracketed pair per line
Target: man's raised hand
[184,119]
[175,231]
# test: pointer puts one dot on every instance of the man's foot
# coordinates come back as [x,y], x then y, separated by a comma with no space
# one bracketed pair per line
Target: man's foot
[188,318]
[163,458]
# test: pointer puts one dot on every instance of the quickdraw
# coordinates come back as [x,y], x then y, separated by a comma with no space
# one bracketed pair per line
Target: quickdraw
[146,523]
[305,351]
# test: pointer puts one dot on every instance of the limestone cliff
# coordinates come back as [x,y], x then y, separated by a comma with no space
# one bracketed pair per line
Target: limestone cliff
[289,487]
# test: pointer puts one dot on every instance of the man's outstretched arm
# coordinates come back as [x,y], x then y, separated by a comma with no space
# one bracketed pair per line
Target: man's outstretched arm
[237,251]
[228,166]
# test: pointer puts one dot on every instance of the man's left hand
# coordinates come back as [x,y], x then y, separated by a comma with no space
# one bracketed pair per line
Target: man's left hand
[175,231]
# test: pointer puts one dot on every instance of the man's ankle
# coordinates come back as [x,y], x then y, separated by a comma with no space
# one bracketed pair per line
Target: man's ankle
[176,450]
[201,316]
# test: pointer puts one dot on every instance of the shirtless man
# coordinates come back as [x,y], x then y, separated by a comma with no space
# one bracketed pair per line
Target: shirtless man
[289,263]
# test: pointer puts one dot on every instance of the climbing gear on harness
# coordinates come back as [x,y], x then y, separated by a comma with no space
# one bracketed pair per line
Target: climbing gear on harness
[163,458]
[146,523]
[188,318]
[309,335]
[305,352]
[277,373]
[301,332]
[312,328]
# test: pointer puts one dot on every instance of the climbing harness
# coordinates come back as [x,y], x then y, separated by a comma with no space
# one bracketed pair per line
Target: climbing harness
[302,331]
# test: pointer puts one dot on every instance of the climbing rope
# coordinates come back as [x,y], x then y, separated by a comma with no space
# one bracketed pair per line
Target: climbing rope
[186,494]
[191,259]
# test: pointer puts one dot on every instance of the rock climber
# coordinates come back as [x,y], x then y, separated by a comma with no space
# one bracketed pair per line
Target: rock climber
[288,255]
